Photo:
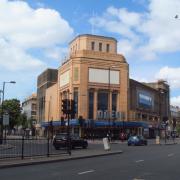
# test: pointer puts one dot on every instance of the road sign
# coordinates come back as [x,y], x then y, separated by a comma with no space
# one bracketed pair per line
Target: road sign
[6,119]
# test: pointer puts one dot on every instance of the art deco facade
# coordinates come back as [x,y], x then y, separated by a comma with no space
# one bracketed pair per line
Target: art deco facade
[97,78]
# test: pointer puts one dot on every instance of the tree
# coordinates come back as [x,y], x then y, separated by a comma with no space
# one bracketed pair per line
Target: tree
[23,121]
[13,108]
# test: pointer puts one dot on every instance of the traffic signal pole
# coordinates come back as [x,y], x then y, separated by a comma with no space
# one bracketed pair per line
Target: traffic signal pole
[68,108]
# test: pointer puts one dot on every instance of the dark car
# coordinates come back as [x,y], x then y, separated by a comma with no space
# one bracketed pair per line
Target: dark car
[136,141]
[61,141]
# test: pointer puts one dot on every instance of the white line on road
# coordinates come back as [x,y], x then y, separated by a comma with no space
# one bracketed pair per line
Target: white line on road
[85,172]
[139,161]
[169,155]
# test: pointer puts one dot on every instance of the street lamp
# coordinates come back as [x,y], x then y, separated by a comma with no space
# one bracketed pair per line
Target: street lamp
[0,96]
[2,109]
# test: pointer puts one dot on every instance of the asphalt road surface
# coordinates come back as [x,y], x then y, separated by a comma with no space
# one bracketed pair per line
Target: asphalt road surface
[152,162]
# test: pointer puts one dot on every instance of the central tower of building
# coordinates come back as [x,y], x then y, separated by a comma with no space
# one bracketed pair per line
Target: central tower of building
[96,77]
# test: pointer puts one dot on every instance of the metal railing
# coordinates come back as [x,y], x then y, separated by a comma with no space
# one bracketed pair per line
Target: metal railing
[22,147]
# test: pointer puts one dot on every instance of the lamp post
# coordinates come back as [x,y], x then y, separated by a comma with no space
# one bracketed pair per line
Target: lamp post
[1,91]
[2,109]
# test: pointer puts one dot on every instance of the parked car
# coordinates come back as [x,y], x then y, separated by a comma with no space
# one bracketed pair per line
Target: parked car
[61,141]
[136,141]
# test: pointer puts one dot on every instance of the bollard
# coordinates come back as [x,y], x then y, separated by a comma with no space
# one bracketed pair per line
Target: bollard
[106,144]
[157,140]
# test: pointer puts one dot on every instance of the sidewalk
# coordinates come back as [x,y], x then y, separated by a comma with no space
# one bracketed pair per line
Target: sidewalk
[76,154]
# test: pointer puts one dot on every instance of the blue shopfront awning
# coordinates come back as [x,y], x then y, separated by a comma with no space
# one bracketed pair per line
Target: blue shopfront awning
[131,124]
[101,123]
[72,122]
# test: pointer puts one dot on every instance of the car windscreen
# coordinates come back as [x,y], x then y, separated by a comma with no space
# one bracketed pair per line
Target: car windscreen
[61,136]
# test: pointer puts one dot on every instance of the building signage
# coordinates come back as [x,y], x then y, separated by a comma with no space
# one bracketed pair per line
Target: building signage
[145,101]
[6,119]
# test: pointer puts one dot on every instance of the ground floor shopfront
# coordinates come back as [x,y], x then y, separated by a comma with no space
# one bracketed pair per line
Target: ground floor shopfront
[99,129]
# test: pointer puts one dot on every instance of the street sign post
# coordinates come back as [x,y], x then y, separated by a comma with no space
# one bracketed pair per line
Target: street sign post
[5,122]
[6,119]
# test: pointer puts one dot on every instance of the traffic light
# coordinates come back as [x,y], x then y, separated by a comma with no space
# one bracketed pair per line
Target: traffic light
[174,123]
[165,120]
[65,103]
[73,108]
[62,121]
[51,123]
[81,121]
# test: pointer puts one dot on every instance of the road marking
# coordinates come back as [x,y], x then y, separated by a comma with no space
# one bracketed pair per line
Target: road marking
[85,172]
[137,179]
[139,161]
[169,155]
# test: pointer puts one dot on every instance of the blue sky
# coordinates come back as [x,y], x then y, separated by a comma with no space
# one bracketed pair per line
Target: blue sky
[34,35]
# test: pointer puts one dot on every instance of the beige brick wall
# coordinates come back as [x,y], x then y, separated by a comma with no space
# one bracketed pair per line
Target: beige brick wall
[51,104]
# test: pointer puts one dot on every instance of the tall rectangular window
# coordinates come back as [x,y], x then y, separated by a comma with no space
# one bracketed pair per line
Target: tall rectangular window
[76,99]
[92,45]
[91,104]
[100,46]
[114,101]
[76,73]
[103,101]
[107,47]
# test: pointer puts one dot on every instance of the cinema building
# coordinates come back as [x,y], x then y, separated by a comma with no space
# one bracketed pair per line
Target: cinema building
[97,78]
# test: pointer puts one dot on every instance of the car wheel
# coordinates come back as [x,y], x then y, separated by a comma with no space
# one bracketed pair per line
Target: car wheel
[84,147]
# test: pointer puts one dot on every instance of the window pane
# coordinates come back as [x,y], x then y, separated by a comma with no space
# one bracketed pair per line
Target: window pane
[103,101]
[107,47]
[100,46]
[92,45]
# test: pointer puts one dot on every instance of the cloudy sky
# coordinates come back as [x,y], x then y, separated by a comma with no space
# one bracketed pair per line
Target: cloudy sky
[34,35]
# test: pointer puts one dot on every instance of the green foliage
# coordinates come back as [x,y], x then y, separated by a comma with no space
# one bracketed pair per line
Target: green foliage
[13,108]
[178,128]
[22,120]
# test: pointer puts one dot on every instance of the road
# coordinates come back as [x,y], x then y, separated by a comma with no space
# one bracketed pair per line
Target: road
[154,162]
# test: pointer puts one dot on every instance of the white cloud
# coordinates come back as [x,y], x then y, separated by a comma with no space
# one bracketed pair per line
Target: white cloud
[172,75]
[24,28]
[29,28]
[175,101]
[26,35]
[15,59]
[150,32]
[56,53]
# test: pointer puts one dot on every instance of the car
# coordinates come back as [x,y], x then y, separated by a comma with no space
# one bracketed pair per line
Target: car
[61,141]
[137,141]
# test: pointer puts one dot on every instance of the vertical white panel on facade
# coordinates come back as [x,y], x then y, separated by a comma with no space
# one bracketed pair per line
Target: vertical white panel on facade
[102,76]
[98,75]
[114,76]
[64,78]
